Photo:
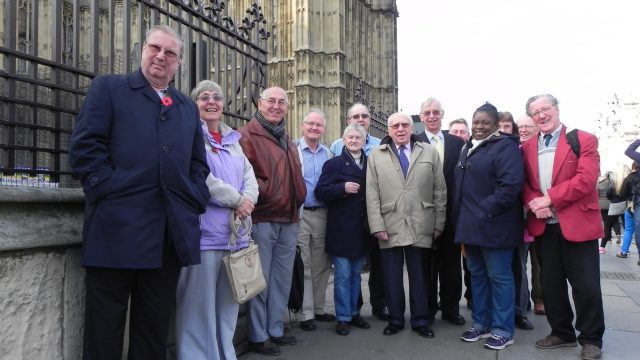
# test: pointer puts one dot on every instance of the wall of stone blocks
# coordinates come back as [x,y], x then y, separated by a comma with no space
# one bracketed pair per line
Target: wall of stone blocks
[42,279]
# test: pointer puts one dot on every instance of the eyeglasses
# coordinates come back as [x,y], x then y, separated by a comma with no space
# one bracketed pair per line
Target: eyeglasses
[312,124]
[272,102]
[456,132]
[209,98]
[396,126]
[358,116]
[545,110]
[156,49]
[431,112]
[526,127]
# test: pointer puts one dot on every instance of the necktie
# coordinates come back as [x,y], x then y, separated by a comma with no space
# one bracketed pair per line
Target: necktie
[439,147]
[404,162]
[547,139]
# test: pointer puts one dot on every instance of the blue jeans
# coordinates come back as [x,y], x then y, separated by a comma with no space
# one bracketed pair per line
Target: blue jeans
[346,286]
[493,289]
[629,227]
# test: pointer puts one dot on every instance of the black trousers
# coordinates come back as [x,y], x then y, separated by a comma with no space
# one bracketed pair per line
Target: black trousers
[393,260]
[376,283]
[153,300]
[446,270]
[579,263]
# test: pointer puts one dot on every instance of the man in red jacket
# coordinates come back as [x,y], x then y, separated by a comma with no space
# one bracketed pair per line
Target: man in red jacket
[564,217]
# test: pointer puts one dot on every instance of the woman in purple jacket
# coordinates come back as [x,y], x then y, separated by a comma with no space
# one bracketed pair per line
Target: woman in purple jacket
[206,312]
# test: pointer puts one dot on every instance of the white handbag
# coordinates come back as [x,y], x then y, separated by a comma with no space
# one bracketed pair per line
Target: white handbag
[243,266]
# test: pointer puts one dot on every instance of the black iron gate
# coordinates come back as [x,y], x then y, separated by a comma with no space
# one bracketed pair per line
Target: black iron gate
[50,50]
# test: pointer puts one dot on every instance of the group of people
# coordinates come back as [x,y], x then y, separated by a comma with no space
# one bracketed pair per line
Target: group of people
[616,192]
[165,180]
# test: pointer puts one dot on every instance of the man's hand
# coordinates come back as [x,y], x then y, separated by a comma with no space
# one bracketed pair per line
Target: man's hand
[543,213]
[436,234]
[245,208]
[381,235]
[539,203]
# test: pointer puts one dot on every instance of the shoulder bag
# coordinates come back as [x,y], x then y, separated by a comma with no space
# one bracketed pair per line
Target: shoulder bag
[243,266]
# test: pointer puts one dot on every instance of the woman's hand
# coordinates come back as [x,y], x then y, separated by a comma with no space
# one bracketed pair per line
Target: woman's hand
[245,208]
[351,187]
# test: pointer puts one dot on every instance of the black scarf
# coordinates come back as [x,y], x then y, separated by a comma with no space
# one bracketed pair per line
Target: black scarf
[276,130]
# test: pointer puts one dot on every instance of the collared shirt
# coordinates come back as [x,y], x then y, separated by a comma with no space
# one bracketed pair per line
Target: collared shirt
[546,156]
[430,136]
[407,150]
[437,141]
[312,162]
[371,143]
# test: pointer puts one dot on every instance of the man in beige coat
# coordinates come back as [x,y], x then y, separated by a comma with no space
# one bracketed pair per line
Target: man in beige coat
[406,203]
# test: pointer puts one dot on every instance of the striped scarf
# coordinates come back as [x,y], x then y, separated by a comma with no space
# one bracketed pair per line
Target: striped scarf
[276,130]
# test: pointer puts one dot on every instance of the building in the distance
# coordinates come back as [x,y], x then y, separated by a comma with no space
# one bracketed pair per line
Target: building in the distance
[618,124]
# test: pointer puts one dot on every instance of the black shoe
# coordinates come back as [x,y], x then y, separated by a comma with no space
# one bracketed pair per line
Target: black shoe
[382,314]
[264,348]
[342,328]
[284,340]
[523,323]
[424,331]
[307,325]
[392,329]
[456,319]
[325,317]
[359,322]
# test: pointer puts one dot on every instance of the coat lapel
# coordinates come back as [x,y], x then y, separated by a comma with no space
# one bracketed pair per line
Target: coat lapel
[562,151]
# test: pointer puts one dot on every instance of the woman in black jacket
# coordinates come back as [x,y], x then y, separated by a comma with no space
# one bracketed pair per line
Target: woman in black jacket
[342,187]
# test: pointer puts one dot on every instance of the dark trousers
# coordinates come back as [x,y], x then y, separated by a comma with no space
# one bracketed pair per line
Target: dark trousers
[153,300]
[376,283]
[446,269]
[579,263]
[393,260]
[611,222]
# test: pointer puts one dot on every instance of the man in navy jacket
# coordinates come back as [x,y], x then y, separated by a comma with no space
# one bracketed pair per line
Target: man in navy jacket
[137,147]
[446,259]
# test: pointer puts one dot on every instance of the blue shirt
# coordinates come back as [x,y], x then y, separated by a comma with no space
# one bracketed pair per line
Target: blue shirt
[311,169]
[371,143]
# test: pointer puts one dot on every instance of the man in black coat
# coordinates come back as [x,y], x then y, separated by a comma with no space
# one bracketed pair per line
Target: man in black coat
[445,257]
[138,149]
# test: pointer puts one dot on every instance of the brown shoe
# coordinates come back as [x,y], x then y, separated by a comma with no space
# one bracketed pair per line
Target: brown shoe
[538,309]
[590,352]
[553,342]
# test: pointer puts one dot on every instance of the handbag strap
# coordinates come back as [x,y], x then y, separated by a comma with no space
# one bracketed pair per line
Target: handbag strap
[236,224]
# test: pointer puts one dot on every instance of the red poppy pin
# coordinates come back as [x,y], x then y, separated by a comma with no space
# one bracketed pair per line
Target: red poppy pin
[167,101]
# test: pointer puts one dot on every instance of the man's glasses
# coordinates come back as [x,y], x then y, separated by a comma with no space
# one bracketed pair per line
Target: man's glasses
[273,102]
[545,110]
[358,116]
[209,98]
[168,53]
[312,124]
[431,112]
[403,125]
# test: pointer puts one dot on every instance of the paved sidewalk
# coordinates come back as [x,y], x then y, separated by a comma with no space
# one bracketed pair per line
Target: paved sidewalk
[621,340]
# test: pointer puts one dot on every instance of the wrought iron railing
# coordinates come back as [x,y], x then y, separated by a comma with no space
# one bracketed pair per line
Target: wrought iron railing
[51,50]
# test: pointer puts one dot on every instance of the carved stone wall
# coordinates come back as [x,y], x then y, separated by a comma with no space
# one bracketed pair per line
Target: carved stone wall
[320,51]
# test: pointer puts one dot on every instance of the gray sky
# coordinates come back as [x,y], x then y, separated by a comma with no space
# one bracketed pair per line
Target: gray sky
[466,52]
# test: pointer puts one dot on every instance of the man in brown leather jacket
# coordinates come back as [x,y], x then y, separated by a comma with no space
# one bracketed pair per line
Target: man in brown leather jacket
[275,218]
